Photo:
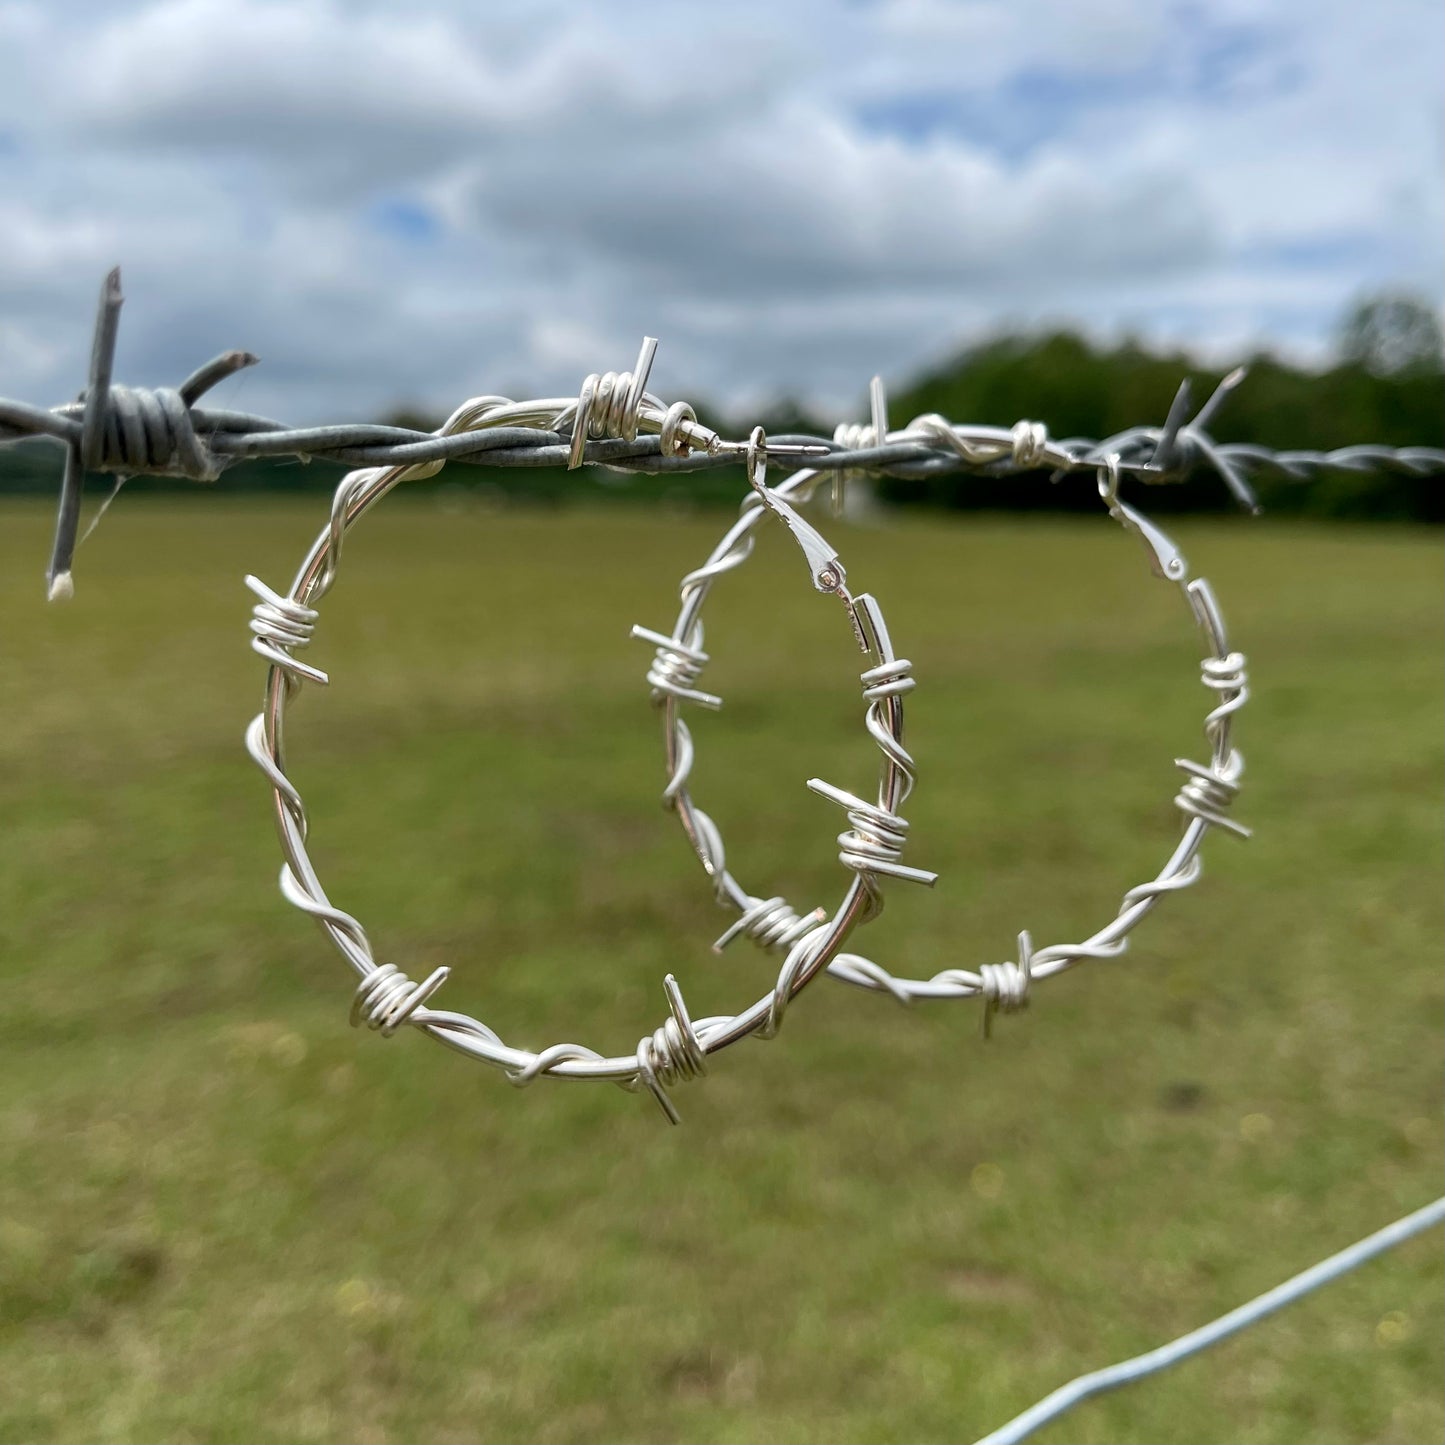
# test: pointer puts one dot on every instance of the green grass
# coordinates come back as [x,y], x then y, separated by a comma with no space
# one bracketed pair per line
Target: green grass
[224,1216]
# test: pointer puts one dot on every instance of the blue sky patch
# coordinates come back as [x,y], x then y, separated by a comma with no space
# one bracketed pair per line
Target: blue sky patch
[404,220]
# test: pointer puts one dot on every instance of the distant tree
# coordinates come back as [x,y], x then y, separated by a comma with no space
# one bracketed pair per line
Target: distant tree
[1393,335]
[785,415]
[413,418]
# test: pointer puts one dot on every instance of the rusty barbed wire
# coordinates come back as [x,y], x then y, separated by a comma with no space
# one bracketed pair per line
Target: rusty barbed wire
[162,431]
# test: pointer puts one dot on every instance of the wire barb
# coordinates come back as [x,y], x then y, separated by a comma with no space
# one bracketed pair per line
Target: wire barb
[676,666]
[855,436]
[672,1054]
[1004,987]
[610,404]
[874,842]
[279,624]
[387,998]
[128,430]
[771,923]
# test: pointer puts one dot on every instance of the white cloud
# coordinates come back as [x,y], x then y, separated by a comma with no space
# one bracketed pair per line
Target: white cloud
[415,201]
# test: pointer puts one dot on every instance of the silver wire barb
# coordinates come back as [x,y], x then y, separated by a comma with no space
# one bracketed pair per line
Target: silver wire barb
[386,998]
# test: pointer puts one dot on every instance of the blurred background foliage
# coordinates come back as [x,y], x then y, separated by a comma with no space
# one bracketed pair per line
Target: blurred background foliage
[1386,384]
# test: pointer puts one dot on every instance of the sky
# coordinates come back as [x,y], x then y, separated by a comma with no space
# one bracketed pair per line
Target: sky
[414,202]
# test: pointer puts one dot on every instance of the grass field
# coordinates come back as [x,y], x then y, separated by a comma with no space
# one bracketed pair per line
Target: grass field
[225,1216]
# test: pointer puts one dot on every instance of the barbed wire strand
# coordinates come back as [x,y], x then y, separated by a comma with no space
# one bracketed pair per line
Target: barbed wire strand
[135,431]
[1141,1366]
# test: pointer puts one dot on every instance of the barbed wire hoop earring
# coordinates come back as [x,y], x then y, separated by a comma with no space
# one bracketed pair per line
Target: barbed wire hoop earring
[873,843]
[1204,799]
[386,998]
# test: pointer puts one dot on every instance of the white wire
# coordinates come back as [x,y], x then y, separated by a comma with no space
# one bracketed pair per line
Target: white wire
[1126,1372]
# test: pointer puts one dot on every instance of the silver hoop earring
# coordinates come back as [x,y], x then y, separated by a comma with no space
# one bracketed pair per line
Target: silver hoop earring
[680,1048]
[1204,799]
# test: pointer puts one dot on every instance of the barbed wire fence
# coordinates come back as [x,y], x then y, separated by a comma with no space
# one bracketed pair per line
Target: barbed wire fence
[616,422]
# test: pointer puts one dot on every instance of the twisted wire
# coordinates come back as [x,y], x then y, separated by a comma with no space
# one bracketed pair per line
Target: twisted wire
[1030,444]
[308,896]
[671,676]
[890,679]
[1204,799]
[855,969]
[686,755]
[1228,677]
[287,795]
[546,1060]
[707,841]
[870,847]
[1005,987]
[802,956]
[134,430]
[874,841]
[734,549]
[1209,791]
[916,449]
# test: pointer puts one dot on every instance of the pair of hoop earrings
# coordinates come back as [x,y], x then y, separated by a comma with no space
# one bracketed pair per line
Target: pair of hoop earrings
[872,845]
